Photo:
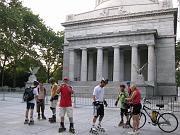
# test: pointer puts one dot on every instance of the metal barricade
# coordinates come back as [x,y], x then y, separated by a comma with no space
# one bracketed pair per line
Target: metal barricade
[171,103]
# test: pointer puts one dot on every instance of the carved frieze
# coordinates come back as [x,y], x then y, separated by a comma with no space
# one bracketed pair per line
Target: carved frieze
[69,17]
[125,40]
[155,1]
[121,10]
[166,4]
[105,12]
[120,17]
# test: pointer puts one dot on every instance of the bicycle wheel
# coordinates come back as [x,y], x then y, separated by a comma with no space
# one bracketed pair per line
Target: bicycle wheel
[167,122]
[142,118]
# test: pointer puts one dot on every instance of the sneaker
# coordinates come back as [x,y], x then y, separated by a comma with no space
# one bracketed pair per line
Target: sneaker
[121,123]
[99,126]
[43,117]
[127,123]
[26,121]
[133,133]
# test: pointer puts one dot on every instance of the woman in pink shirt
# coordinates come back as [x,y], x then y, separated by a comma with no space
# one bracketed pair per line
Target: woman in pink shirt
[135,99]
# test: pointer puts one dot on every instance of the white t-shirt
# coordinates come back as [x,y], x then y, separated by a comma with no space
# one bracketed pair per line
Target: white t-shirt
[99,93]
[35,91]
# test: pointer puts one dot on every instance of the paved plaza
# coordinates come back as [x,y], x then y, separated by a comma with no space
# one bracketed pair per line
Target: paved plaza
[12,118]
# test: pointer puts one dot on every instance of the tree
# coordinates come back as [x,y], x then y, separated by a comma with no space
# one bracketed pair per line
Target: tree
[52,52]
[21,31]
[24,34]
[178,63]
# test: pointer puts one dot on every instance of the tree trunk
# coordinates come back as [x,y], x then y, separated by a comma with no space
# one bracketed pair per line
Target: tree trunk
[2,71]
[48,74]
[14,75]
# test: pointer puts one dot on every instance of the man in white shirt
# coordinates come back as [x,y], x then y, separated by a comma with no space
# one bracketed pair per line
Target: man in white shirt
[98,103]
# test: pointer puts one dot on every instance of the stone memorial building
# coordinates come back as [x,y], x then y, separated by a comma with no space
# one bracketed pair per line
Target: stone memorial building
[122,40]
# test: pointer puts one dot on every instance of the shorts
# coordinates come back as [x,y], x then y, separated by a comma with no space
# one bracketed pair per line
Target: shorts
[124,111]
[136,109]
[99,110]
[63,111]
[54,103]
[30,105]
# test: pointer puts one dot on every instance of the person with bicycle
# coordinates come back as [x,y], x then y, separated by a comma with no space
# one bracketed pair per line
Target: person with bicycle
[135,100]
[123,107]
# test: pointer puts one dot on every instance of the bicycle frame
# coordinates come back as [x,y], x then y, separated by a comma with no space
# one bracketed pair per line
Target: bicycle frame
[145,108]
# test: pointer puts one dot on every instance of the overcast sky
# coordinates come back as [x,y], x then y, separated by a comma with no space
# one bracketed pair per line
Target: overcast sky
[54,12]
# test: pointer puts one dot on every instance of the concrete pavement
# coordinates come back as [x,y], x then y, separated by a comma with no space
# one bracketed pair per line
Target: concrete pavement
[12,118]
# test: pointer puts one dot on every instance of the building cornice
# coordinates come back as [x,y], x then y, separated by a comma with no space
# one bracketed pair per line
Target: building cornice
[166,36]
[122,17]
[113,34]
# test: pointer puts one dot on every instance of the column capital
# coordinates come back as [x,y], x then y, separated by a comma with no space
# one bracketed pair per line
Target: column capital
[134,45]
[99,47]
[151,44]
[83,48]
[116,46]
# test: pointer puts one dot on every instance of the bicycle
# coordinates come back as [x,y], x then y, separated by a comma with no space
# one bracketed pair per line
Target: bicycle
[167,121]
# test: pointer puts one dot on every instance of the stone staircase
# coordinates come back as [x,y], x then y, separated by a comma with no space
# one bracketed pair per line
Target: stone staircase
[111,89]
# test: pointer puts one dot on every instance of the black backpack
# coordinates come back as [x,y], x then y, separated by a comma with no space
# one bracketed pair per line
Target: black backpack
[28,94]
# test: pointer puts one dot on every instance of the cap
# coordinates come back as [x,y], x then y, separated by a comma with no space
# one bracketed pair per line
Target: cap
[66,78]
[35,83]
[122,85]
[128,82]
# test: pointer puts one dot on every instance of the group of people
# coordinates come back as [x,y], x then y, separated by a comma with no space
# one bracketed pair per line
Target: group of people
[131,97]
[128,99]
[64,90]
[131,100]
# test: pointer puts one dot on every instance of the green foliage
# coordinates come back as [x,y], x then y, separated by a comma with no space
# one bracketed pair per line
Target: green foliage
[178,64]
[52,53]
[58,73]
[25,41]
[178,78]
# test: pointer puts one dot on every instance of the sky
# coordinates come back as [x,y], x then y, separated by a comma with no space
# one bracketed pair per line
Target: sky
[54,12]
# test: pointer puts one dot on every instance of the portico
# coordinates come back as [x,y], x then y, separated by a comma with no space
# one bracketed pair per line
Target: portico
[97,62]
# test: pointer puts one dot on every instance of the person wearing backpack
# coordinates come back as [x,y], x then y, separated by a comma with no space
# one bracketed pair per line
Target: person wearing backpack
[30,100]
[121,100]
[40,101]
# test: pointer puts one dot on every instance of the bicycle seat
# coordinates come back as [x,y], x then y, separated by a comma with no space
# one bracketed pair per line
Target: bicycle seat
[160,105]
